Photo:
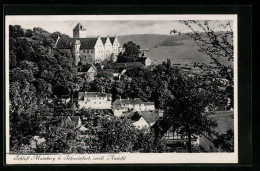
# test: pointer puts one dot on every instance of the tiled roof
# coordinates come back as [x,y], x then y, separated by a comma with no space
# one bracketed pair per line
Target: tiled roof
[79,27]
[92,94]
[126,65]
[74,119]
[109,72]
[150,116]
[127,101]
[85,43]
[85,68]
[103,39]
[148,103]
[112,39]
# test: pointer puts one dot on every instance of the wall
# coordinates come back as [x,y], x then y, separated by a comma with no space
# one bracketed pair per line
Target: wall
[108,50]
[87,56]
[99,51]
[95,103]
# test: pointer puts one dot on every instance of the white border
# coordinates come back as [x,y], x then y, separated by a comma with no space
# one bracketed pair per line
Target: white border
[130,157]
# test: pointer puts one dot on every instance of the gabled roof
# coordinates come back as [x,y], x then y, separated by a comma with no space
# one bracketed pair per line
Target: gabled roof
[127,101]
[74,119]
[92,94]
[79,27]
[150,116]
[126,65]
[112,39]
[103,39]
[85,68]
[109,72]
[148,103]
[68,43]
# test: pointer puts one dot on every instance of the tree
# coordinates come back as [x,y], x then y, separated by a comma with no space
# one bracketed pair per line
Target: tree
[217,45]
[186,110]
[130,54]
[225,141]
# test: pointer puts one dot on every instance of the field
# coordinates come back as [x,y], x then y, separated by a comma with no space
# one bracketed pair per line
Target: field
[180,49]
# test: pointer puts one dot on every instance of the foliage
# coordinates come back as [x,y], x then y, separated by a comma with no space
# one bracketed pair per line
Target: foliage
[225,141]
[130,54]
[217,45]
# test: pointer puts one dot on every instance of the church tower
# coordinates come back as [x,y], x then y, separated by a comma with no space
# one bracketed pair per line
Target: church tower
[79,31]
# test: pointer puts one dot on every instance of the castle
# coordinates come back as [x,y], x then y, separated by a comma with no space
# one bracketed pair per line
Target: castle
[90,50]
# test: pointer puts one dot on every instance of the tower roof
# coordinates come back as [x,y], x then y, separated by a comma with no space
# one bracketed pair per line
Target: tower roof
[79,27]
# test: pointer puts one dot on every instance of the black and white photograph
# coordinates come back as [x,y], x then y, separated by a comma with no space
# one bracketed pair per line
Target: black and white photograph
[97,89]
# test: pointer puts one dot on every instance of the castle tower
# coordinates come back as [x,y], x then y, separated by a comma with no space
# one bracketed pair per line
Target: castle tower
[76,52]
[79,31]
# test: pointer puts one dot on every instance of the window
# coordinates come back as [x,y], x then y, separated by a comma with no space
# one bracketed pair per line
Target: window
[92,51]
[94,102]
[99,102]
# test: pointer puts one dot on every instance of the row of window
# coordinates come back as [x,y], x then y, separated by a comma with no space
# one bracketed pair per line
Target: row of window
[96,98]
[94,102]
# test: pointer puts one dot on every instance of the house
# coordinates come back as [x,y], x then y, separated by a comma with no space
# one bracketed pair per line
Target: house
[225,122]
[88,49]
[118,73]
[145,60]
[121,106]
[146,119]
[88,69]
[94,100]
[76,120]
[65,99]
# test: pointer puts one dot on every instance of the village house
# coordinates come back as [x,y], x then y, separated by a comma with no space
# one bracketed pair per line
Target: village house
[121,106]
[94,100]
[88,69]
[65,99]
[76,120]
[144,59]
[225,122]
[147,119]
[90,50]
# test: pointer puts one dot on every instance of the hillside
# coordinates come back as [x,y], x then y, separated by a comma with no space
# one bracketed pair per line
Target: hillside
[180,49]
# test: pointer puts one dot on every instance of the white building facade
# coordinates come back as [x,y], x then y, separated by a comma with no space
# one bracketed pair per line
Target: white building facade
[90,50]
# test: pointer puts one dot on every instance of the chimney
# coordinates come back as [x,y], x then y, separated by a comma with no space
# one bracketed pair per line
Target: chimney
[120,98]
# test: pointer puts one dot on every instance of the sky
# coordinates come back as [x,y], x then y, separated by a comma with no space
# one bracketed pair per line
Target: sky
[108,27]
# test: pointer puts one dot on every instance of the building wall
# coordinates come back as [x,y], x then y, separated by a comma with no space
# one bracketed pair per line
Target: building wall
[116,46]
[149,107]
[87,56]
[141,124]
[76,53]
[99,51]
[148,62]
[108,50]
[79,33]
[95,103]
